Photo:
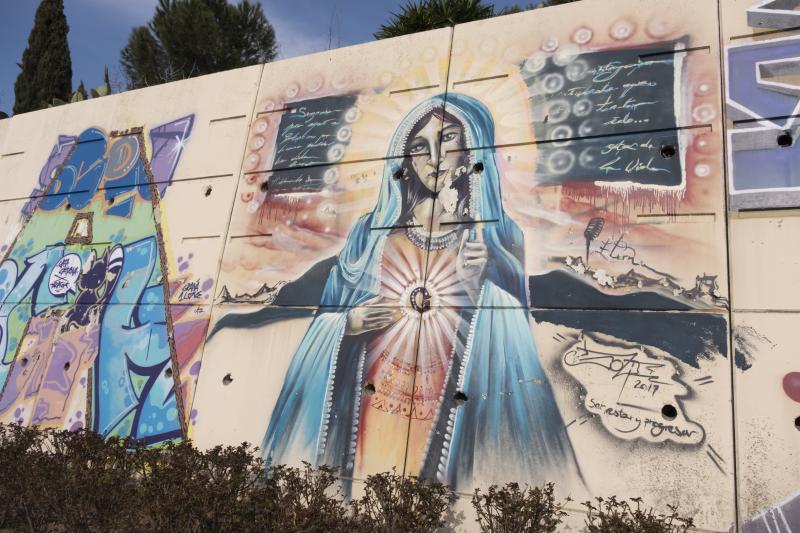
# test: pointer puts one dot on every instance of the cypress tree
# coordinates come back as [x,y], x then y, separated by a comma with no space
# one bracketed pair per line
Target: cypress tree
[46,64]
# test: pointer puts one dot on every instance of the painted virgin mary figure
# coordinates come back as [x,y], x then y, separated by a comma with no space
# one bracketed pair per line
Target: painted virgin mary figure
[421,356]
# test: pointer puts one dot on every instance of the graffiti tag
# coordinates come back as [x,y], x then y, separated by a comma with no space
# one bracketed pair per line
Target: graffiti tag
[64,276]
[634,394]
[190,291]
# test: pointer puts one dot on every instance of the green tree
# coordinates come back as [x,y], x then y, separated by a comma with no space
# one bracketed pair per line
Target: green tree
[187,38]
[423,15]
[81,90]
[431,14]
[517,8]
[46,64]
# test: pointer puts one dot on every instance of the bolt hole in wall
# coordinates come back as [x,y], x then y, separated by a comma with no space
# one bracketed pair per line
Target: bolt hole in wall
[208,191]
[24,362]
[478,167]
[369,388]
[669,412]
[227,380]
[66,366]
[668,151]
[460,398]
[797,423]
[168,373]
[398,174]
[785,139]
[264,186]
[111,201]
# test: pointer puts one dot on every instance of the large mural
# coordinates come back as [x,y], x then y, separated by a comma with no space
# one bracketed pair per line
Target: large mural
[485,255]
[495,252]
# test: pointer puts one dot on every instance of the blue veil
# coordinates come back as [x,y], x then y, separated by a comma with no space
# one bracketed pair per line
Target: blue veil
[510,428]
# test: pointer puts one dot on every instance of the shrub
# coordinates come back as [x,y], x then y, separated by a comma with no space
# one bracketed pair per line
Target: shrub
[60,481]
[510,509]
[392,502]
[183,489]
[618,516]
[73,480]
[76,481]
[295,499]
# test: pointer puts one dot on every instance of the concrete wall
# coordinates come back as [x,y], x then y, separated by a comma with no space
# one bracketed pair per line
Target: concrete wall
[257,256]
[759,61]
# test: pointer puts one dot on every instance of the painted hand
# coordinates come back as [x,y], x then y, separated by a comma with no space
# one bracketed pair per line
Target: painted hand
[471,262]
[372,315]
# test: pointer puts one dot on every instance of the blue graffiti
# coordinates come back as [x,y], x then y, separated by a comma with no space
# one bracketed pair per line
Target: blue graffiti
[118,295]
[90,167]
[125,172]
[133,395]
[26,290]
[80,177]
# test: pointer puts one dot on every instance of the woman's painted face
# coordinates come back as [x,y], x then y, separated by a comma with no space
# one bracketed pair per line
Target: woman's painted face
[436,164]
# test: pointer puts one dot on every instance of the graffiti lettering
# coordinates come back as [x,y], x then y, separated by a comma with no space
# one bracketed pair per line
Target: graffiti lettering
[190,291]
[763,101]
[623,146]
[120,173]
[108,321]
[656,428]
[612,69]
[639,166]
[626,386]
[65,274]
[629,104]
[315,132]
[602,94]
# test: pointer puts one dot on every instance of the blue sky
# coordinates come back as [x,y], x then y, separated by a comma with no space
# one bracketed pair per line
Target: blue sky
[100,28]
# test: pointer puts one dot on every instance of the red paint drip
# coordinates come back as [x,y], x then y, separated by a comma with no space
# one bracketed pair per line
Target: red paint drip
[623,199]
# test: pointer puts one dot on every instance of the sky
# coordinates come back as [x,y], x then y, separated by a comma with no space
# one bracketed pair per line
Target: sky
[100,28]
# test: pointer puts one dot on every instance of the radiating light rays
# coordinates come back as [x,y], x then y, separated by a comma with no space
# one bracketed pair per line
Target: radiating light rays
[384,109]
[441,268]
[400,276]
[401,272]
[444,284]
[438,336]
[397,344]
[506,98]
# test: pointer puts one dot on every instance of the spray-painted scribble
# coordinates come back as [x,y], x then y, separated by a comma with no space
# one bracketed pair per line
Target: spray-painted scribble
[636,395]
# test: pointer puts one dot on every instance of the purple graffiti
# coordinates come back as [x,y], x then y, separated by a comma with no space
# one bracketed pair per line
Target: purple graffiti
[72,353]
[168,140]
